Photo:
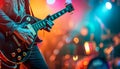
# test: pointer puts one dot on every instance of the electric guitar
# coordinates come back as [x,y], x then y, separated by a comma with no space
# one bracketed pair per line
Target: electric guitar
[16,51]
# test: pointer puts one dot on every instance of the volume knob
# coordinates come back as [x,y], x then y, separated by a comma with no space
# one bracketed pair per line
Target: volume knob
[18,50]
[13,54]
[19,58]
[28,19]
[24,53]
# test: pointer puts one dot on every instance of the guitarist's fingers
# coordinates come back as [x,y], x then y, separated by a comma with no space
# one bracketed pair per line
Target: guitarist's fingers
[31,35]
[50,23]
[29,40]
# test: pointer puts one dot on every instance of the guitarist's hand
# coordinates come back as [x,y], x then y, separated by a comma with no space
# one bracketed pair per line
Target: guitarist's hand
[24,34]
[49,25]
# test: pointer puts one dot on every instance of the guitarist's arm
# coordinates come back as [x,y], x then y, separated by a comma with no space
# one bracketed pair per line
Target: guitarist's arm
[6,24]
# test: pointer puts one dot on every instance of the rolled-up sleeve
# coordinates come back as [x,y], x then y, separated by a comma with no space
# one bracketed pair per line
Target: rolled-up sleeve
[6,23]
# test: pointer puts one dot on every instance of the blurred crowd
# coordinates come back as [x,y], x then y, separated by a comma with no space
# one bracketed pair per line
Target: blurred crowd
[104,55]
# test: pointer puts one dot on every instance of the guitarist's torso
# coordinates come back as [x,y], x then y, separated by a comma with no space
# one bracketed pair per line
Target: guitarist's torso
[17,51]
[14,9]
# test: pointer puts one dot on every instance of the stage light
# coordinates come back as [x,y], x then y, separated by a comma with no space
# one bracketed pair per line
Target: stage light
[52,58]
[84,31]
[85,63]
[56,51]
[50,2]
[68,40]
[87,48]
[75,58]
[108,5]
[68,1]
[67,56]
[113,0]
[76,40]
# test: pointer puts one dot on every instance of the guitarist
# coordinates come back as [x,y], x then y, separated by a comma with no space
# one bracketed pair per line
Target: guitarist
[11,12]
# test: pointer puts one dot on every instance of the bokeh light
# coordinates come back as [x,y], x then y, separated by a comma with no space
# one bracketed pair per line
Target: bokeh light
[108,5]
[84,31]
[87,48]
[75,58]
[50,2]
[76,40]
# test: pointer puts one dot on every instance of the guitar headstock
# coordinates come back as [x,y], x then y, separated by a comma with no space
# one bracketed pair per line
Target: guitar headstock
[69,7]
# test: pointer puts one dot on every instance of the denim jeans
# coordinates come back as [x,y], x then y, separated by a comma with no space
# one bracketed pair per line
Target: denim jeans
[35,61]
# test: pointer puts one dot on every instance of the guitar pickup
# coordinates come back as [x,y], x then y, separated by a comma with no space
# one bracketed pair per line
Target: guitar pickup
[19,58]
[24,54]
[18,50]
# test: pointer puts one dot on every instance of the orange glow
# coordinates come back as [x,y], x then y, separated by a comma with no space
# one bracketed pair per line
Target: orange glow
[85,63]
[62,25]
[55,39]
[87,48]
[39,8]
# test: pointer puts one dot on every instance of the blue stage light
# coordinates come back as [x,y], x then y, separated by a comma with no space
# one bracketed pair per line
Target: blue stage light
[50,2]
[108,5]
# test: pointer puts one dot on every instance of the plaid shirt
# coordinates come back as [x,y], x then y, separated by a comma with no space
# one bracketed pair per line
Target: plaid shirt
[10,12]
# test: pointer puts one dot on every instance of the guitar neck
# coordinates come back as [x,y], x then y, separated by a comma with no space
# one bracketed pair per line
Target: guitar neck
[58,14]
[41,24]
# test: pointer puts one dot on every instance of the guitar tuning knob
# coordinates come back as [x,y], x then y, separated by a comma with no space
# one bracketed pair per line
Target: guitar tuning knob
[28,19]
[24,53]
[18,50]
[19,58]
[13,54]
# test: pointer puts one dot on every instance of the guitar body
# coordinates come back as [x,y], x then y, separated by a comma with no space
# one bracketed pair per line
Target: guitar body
[15,50]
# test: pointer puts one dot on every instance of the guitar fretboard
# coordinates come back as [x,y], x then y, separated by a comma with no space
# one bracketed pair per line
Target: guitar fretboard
[58,14]
[41,24]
